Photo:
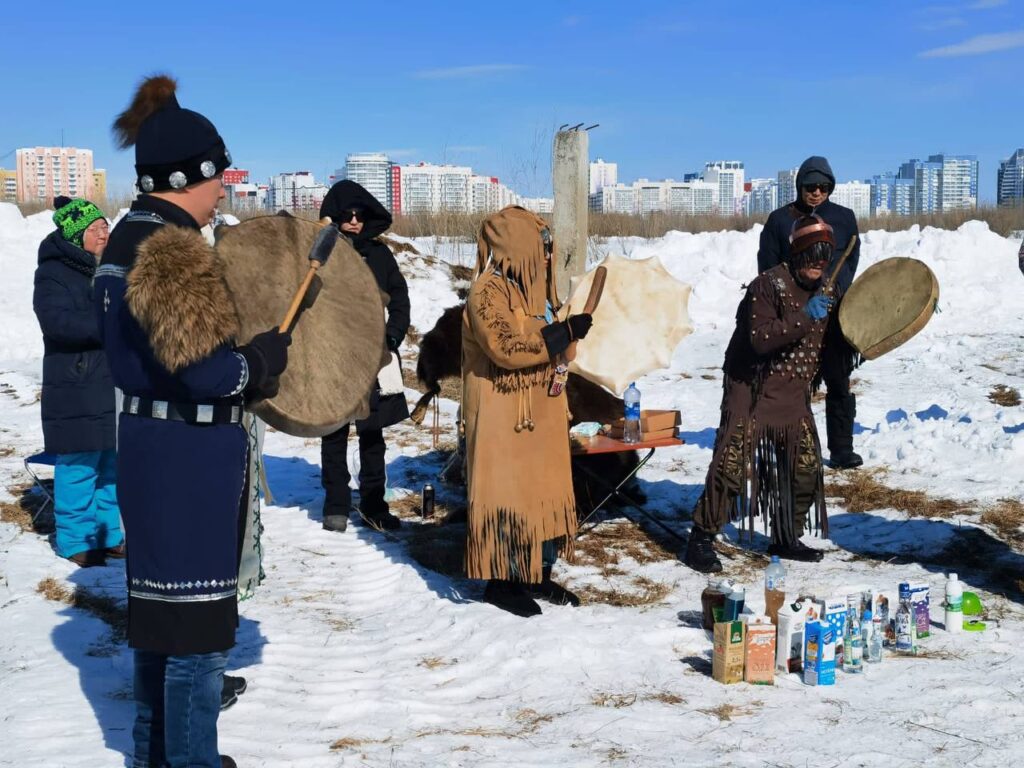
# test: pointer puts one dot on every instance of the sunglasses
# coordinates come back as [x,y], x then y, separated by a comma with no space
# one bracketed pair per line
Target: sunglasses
[810,188]
[353,213]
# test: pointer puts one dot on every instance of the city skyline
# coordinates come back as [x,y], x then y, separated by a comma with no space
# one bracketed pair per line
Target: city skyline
[670,86]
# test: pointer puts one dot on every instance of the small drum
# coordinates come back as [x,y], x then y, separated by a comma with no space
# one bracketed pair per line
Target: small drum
[338,345]
[887,305]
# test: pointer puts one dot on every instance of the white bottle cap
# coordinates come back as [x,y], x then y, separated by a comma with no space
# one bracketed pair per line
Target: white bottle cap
[953,577]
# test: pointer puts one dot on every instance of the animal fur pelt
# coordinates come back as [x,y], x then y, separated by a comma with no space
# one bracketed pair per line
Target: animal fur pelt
[440,357]
[152,95]
[177,292]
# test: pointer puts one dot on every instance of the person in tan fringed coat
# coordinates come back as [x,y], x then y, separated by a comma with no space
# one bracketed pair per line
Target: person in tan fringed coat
[521,506]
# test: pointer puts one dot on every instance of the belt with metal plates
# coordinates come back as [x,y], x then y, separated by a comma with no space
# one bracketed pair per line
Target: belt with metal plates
[190,413]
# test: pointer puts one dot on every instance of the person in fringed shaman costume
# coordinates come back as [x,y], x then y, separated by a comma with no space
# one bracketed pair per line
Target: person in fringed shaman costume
[767,444]
[521,507]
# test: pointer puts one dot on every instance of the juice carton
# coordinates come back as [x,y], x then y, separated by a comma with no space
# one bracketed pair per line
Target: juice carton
[789,648]
[917,593]
[759,651]
[833,612]
[727,663]
[819,653]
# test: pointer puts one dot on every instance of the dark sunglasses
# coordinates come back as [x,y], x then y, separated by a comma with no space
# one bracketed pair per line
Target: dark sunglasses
[826,188]
[353,213]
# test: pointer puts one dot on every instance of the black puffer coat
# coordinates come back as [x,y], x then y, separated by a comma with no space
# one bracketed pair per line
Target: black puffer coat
[78,391]
[384,411]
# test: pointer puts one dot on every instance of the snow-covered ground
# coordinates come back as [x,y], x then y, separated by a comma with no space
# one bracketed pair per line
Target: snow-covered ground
[358,655]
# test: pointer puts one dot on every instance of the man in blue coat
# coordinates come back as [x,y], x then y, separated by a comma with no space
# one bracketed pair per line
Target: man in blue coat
[168,326]
[78,393]
[814,183]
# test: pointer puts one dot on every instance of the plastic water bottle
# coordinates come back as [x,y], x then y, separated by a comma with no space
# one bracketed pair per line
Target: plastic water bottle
[906,628]
[853,645]
[954,604]
[631,428]
[874,644]
[774,588]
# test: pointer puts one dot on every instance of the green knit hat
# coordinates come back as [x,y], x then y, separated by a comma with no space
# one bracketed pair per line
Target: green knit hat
[73,217]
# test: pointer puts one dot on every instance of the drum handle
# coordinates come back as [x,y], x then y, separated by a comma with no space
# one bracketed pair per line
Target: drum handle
[839,265]
[593,299]
[300,294]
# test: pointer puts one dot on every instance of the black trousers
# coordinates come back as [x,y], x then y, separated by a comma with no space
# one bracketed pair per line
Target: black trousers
[335,476]
[840,404]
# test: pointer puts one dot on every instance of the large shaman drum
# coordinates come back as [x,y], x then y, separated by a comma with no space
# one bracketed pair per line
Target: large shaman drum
[338,344]
[889,303]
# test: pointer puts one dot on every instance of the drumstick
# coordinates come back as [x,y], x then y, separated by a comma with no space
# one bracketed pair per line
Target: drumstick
[593,299]
[839,265]
[318,255]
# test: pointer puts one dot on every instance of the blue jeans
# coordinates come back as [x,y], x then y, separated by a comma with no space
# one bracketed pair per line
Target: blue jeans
[85,502]
[177,702]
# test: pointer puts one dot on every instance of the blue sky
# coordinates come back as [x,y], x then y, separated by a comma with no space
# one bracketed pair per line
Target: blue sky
[672,84]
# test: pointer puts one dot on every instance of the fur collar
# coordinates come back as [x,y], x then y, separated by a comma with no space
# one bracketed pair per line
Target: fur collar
[177,292]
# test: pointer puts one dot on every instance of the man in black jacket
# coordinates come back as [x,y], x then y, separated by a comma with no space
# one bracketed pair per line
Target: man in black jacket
[362,218]
[814,183]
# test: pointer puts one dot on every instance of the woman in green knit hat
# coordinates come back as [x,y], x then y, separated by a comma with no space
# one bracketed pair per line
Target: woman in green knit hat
[78,391]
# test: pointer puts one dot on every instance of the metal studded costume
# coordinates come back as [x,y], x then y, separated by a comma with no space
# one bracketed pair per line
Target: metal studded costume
[767,456]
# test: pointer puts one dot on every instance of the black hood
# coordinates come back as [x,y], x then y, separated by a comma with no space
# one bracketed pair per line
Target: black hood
[55,248]
[349,194]
[814,166]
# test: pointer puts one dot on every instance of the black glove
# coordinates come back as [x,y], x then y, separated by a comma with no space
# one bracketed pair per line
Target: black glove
[579,325]
[267,357]
[393,343]
[558,336]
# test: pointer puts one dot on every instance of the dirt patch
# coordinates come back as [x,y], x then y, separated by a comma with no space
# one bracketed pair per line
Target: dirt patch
[397,246]
[1003,395]
[726,712]
[862,492]
[605,545]
[108,610]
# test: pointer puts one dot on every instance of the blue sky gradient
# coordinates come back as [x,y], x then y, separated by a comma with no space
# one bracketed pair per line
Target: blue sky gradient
[672,84]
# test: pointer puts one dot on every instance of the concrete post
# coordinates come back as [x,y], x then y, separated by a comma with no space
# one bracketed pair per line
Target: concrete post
[570,168]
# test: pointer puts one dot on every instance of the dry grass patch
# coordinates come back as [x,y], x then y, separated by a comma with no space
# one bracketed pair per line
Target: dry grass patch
[352,743]
[25,506]
[638,591]
[529,720]
[436,662]
[1005,396]
[605,545]
[108,610]
[397,246]
[665,697]
[726,712]
[1006,517]
[863,492]
[613,700]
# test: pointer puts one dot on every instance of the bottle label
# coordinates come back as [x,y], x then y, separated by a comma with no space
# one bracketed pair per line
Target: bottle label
[633,411]
[775,582]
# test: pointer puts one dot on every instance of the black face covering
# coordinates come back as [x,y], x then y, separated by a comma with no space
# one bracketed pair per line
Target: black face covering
[816,252]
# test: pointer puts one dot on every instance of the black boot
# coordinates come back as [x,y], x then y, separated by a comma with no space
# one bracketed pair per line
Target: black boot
[796,551]
[700,552]
[227,762]
[335,522]
[512,597]
[840,413]
[374,510]
[553,593]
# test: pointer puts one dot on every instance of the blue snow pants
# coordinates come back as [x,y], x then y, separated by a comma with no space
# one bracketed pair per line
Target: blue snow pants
[85,502]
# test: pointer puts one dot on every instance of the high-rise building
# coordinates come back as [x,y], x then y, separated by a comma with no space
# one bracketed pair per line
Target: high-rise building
[855,195]
[428,188]
[99,184]
[8,186]
[234,176]
[786,181]
[958,181]
[371,170]
[45,172]
[603,174]
[891,195]
[927,185]
[1010,180]
[614,198]
[644,196]
[763,197]
[298,191]
[727,176]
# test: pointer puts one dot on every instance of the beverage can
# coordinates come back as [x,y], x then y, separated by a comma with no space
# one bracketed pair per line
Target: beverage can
[427,501]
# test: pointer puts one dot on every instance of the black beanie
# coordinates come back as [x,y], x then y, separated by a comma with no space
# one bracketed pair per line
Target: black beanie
[174,147]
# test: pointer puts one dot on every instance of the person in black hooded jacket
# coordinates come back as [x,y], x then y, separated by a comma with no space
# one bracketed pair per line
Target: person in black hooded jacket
[814,183]
[78,390]
[362,218]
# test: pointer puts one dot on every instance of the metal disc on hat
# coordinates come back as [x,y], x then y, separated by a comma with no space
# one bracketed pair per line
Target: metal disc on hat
[338,345]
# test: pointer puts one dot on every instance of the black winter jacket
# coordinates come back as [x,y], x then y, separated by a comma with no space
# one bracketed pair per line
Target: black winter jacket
[392,409]
[775,235]
[78,391]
